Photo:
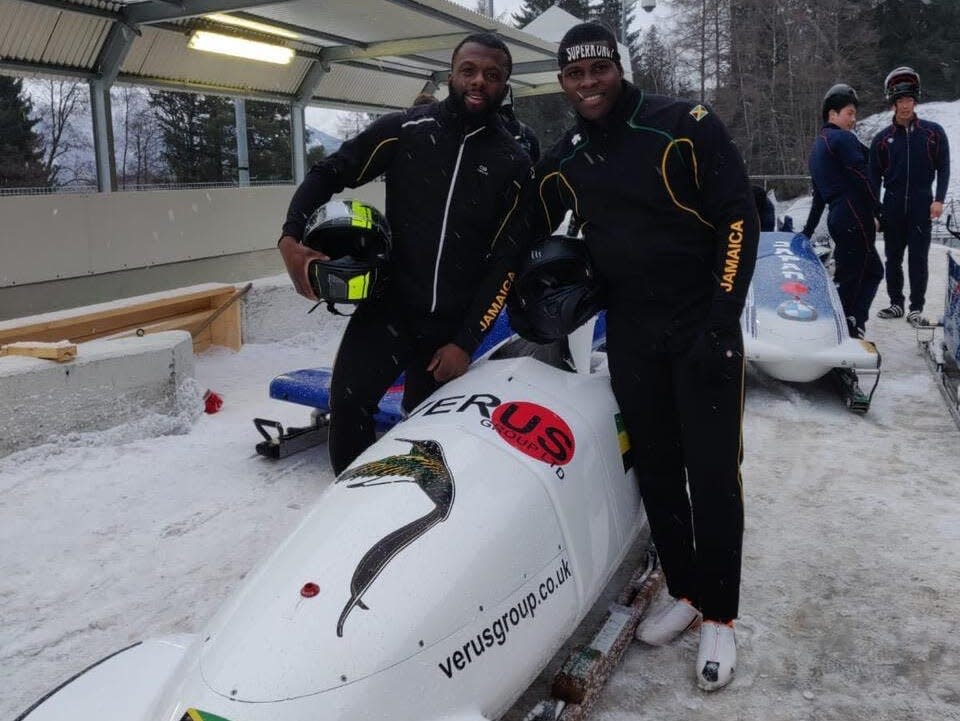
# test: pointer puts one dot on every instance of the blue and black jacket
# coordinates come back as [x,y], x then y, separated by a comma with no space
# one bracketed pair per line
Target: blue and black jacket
[450,189]
[907,158]
[838,167]
[666,210]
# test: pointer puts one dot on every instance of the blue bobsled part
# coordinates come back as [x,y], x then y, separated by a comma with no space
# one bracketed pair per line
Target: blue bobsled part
[786,264]
[951,316]
[311,386]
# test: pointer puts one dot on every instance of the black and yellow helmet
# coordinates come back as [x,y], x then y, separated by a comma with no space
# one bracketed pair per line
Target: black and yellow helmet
[356,238]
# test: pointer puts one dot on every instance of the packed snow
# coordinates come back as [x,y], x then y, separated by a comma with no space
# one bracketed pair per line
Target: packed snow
[850,579]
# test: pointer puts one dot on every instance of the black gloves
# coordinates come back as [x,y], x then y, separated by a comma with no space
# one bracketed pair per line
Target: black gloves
[717,354]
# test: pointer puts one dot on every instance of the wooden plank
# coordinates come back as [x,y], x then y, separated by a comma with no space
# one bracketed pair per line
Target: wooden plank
[60,352]
[88,326]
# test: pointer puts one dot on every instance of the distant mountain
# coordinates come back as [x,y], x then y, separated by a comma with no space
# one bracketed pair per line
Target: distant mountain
[316,137]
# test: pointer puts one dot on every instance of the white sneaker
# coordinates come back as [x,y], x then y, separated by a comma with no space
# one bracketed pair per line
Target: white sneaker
[717,658]
[666,626]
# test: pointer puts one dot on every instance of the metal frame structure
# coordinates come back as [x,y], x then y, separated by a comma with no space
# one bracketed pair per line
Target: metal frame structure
[373,55]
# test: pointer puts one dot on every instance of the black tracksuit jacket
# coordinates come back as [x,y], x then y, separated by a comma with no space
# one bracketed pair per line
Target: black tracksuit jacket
[449,192]
[669,218]
[666,209]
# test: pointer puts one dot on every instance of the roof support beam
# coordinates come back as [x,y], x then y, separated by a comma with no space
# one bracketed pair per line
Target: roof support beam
[114,52]
[152,11]
[74,8]
[101,117]
[531,90]
[66,71]
[536,66]
[243,153]
[298,139]
[396,48]
[310,82]
[490,27]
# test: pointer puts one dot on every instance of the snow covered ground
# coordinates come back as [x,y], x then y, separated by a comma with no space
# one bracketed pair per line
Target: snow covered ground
[851,585]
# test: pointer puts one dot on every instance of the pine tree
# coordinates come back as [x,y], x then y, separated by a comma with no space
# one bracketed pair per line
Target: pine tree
[613,14]
[198,134]
[922,35]
[534,8]
[655,66]
[268,141]
[20,151]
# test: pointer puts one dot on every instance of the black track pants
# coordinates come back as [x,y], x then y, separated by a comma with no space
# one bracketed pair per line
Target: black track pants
[859,268]
[907,232]
[686,438]
[381,340]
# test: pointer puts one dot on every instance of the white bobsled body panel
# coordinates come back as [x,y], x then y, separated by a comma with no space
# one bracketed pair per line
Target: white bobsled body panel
[432,581]
[793,322]
[124,684]
[524,472]
[500,530]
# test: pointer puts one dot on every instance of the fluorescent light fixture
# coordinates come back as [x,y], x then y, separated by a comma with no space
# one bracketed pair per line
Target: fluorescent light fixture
[251,25]
[239,47]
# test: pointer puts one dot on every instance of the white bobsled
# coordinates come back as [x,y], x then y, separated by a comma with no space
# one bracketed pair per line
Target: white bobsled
[793,323]
[431,582]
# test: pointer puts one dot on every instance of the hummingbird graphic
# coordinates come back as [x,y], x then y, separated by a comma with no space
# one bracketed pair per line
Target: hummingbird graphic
[424,465]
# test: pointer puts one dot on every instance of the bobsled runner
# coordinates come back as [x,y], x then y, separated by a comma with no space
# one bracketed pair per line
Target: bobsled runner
[794,327]
[432,580]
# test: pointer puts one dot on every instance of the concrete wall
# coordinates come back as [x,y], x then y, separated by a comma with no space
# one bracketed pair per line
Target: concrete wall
[110,382]
[63,251]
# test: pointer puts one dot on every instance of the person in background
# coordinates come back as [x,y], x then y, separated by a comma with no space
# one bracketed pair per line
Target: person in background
[520,131]
[669,219]
[424,99]
[453,176]
[765,209]
[838,167]
[906,156]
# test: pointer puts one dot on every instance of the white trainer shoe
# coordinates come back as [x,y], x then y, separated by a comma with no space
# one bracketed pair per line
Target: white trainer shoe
[717,658]
[668,625]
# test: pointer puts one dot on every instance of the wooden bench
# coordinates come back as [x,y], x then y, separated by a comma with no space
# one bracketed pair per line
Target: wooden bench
[208,312]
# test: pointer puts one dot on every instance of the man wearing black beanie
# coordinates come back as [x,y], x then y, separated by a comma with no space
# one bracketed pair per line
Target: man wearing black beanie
[669,219]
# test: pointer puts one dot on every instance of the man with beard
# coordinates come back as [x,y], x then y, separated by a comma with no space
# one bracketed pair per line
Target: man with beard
[453,174]
[668,216]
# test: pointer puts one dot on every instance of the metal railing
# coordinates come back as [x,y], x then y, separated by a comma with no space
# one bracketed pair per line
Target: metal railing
[134,188]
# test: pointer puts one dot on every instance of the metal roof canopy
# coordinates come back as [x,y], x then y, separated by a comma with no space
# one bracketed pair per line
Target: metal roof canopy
[373,55]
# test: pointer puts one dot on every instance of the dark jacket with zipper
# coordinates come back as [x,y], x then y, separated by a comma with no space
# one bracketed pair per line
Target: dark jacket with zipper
[666,210]
[907,158]
[449,190]
[838,167]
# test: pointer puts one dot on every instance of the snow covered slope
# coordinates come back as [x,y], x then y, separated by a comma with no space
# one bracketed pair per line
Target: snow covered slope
[850,579]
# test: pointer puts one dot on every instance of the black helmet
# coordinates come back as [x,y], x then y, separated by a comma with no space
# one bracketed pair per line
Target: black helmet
[356,237]
[901,82]
[556,290]
[837,98]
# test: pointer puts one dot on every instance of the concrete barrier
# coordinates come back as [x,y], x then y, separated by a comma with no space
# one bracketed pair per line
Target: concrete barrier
[110,382]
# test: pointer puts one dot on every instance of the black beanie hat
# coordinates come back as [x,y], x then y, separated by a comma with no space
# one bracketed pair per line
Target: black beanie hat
[587,41]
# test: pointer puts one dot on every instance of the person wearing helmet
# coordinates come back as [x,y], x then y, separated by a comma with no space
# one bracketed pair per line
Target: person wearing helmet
[838,167]
[906,156]
[453,174]
[669,218]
